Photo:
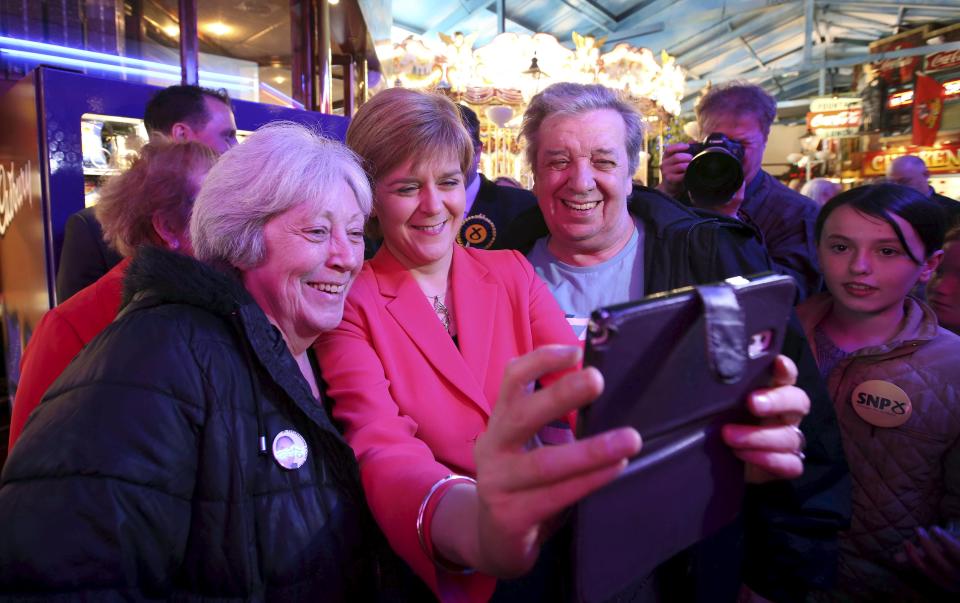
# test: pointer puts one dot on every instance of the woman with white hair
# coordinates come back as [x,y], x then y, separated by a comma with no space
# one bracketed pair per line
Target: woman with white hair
[187,437]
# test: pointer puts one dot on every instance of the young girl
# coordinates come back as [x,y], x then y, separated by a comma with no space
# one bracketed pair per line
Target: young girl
[895,380]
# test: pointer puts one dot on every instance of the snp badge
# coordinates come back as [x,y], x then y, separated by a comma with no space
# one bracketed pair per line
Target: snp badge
[881,403]
[477,231]
[290,449]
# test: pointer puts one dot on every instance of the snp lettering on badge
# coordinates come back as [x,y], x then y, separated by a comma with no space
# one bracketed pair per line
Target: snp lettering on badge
[881,403]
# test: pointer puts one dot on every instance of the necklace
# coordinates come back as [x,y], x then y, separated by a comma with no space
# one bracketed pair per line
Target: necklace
[442,312]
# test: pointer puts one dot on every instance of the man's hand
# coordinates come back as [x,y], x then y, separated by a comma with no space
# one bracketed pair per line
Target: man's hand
[774,448]
[521,490]
[673,167]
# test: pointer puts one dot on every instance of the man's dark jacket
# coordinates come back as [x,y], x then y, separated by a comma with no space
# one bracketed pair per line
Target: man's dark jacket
[950,206]
[85,256]
[786,539]
[786,220]
[139,475]
[491,214]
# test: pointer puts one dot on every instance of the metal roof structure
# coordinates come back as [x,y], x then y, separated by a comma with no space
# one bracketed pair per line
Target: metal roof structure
[796,49]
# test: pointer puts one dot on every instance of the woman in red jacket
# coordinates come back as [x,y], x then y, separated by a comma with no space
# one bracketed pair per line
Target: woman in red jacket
[149,204]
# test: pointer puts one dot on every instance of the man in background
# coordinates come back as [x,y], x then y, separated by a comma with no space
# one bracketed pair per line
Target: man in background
[783,217]
[178,112]
[910,170]
[490,207]
[597,239]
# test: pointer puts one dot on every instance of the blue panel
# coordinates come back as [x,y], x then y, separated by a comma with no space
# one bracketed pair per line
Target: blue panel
[66,96]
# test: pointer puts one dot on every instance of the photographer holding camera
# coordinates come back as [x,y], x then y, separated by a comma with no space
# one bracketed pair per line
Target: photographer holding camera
[723,174]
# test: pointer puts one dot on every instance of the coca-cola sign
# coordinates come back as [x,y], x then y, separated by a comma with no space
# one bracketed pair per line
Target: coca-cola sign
[899,70]
[828,124]
[939,61]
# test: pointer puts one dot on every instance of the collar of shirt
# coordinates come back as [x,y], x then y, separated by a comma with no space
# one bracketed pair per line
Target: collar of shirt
[472,189]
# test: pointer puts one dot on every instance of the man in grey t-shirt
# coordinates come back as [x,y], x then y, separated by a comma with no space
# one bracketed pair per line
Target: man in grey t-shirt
[583,144]
[582,289]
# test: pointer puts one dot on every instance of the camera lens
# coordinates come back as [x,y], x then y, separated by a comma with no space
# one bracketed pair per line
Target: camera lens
[713,177]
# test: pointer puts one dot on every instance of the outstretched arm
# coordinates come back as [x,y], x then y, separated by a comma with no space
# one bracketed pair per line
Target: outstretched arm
[498,525]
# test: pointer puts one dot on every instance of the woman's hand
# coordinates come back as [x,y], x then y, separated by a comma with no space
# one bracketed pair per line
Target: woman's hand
[774,448]
[938,557]
[521,490]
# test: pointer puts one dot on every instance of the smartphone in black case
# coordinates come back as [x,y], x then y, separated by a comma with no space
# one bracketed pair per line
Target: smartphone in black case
[676,366]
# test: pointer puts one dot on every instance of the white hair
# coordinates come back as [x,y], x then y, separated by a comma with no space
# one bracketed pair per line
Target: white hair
[276,168]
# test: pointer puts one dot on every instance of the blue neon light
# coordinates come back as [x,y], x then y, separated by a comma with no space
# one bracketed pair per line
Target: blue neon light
[98,57]
[49,58]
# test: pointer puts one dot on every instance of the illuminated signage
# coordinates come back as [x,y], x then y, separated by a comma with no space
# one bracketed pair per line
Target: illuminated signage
[827,124]
[905,98]
[944,159]
[14,192]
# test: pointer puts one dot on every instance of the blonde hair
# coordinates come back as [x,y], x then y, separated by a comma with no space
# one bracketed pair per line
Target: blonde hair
[162,181]
[276,168]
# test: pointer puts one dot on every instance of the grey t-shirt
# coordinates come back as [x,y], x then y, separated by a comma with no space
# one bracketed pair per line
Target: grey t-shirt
[582,289]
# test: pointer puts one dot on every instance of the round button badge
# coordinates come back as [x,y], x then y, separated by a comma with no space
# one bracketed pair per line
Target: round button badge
[477,231]
[881,403]
[289,449]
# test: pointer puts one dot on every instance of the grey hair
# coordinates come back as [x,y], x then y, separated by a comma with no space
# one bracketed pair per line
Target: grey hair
[567,98]
[276,168]
[737,98]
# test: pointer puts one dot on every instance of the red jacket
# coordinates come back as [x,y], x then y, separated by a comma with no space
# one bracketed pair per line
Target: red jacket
[59,337]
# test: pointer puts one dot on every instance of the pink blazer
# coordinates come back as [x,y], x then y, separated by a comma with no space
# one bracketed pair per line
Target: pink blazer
[411,403]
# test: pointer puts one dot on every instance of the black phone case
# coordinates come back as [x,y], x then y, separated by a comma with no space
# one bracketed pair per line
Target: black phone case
[676,366]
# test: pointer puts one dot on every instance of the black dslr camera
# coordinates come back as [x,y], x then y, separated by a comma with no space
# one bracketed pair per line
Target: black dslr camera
[715,173]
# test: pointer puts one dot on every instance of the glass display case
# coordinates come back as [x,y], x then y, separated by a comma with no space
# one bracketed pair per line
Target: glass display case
[109,144]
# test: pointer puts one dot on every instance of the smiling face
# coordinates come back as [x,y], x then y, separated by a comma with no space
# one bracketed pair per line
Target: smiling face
[745,129]
[582,181]
[865,266]
[314,250]
[420,208]
[943,290]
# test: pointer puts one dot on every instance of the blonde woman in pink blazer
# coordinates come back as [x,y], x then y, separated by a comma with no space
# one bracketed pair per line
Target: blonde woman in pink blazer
[464,464]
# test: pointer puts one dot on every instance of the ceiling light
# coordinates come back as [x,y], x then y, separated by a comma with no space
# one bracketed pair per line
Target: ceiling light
[218,28]
[333,2]
[279,79]
[172,31]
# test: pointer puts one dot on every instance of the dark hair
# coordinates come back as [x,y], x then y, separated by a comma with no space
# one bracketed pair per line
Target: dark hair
[471,122]
[180,104]
[887,200]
